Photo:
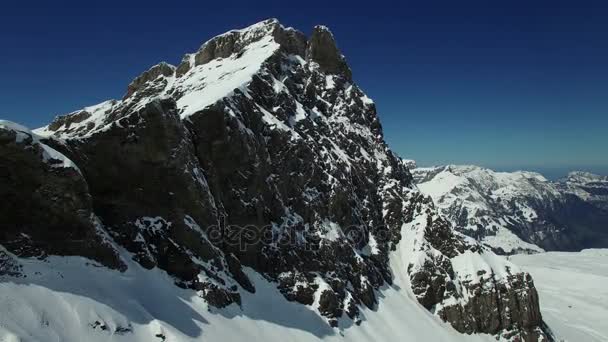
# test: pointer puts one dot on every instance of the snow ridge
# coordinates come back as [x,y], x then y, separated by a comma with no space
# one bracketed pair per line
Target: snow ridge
[512,212]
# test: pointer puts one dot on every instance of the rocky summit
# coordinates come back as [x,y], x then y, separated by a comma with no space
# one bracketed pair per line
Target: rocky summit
[256,156]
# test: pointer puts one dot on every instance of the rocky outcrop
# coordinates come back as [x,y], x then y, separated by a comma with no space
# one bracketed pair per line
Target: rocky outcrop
[234,42]
[465,285]
[508,308]
[260,151]
[322,50]
[46,207]
[161,69]
[151,193]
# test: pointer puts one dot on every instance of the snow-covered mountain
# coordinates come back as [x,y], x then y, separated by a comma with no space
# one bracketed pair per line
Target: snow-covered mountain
[588,186]
[515,212]
[246,192]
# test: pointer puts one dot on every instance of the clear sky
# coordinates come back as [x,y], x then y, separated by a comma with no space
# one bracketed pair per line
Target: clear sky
[504,84]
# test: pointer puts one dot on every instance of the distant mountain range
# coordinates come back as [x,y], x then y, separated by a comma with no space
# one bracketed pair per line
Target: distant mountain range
[515,212]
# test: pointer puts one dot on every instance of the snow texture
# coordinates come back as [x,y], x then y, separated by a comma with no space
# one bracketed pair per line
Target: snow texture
[572,290]
[72,299]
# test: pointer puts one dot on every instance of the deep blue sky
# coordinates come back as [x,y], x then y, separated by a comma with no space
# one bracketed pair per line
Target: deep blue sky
[505,84]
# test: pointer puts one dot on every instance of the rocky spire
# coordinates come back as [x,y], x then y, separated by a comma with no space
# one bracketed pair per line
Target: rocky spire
[322,49]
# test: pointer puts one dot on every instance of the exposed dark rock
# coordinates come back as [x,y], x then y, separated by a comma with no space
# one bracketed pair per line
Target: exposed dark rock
[46,208]
[161,69]
[233,42]
[151,194]
[217,296]
[322,49]
[9,266]
[67,120]
[329,304]
[494,304]
[498,306]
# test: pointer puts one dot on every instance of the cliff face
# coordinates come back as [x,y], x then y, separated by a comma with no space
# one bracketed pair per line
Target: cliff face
[46,205]
[259,150]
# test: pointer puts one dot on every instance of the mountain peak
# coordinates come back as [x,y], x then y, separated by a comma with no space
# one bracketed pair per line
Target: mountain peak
[160,69]
[584,176]
[236,41]
[323,50]
[221,65]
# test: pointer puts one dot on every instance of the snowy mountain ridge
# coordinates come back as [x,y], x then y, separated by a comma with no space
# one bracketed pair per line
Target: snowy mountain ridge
[521,211]
[255,169]
[202,78]
[588,186]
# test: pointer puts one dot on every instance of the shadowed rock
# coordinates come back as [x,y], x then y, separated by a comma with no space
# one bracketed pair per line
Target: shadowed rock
[322,49]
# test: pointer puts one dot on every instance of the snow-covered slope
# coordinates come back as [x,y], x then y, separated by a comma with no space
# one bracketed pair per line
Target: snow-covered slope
[573,292]
[486,204]
[514,212]
[70,299]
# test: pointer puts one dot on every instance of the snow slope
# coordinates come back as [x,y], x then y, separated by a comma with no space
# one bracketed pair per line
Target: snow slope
[573,292]
[71,299]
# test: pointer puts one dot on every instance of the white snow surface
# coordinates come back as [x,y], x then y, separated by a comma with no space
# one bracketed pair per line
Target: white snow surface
[210,82]
[62,298]
[508,241]
[573,292]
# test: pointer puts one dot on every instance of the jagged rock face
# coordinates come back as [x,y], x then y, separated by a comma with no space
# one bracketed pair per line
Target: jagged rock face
[162,69]
[322,49]
[46,205]
[152,195]
[288,160]
[259,150]
[513,212]
[519,309]
[466,285]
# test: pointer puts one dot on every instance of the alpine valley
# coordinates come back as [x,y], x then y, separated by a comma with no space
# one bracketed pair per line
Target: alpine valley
[248,193]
